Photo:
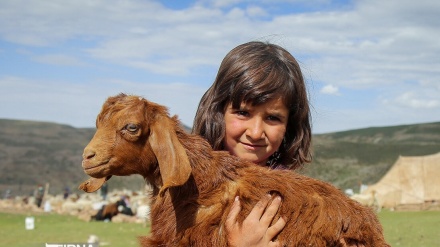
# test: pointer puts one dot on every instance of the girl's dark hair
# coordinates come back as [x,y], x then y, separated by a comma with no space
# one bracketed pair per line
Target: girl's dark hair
[255,73]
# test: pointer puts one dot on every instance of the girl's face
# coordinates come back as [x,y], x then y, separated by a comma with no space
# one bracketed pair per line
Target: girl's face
[255,132]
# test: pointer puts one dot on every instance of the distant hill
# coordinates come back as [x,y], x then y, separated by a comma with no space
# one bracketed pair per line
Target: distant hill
[33,153]
[349,158]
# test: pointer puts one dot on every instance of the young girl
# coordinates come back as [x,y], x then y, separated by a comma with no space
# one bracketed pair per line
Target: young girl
[257,109]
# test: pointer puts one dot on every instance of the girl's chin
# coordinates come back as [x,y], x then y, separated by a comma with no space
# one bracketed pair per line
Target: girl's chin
[257,159]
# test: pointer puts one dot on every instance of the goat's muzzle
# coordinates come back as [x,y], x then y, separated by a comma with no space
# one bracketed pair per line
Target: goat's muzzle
[93,184]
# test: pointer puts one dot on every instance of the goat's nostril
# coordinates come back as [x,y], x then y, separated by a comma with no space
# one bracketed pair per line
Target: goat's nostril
[88,154]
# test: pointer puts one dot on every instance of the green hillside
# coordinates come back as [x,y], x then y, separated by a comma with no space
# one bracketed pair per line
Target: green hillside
[33,153]
[349,158]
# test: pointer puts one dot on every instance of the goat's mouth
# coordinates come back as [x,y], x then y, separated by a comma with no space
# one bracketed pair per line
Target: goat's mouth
[94,170]
[93,184]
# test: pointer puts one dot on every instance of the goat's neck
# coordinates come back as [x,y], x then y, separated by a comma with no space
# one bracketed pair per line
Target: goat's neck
[205,163]
[178,208]
[210,168]
[153,179]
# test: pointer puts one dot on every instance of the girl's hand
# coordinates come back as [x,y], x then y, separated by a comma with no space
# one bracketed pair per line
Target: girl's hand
[255,230]
[350,243]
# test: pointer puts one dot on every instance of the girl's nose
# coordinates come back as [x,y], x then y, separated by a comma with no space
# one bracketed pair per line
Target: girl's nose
[255,129]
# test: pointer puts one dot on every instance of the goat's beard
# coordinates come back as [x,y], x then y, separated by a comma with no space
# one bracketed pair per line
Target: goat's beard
[93,184]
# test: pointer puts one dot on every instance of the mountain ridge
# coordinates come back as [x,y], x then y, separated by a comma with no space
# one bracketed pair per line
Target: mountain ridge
[35,152]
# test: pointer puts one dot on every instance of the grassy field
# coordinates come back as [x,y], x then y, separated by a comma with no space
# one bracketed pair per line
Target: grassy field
[408,229]
[53,228]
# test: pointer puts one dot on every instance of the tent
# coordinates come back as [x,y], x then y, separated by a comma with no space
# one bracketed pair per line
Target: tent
[413,182]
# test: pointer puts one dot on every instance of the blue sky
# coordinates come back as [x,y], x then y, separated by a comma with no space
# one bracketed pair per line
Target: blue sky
[366,62]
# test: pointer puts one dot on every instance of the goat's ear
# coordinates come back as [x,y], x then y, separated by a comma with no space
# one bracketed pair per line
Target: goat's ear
[174,165]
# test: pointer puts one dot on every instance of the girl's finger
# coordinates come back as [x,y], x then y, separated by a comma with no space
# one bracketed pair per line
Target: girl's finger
[233,213]
[260,207]
[271,211]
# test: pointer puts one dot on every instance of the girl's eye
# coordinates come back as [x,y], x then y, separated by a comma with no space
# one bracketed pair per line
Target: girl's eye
[242,113]
[274,118]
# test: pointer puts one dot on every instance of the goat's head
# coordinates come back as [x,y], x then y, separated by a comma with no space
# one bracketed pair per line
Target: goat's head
[133,136]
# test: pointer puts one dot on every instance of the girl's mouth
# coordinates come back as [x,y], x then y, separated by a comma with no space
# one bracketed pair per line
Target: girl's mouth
[250,146]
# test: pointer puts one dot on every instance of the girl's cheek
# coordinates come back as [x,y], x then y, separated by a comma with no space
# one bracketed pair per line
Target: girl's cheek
[233,124]
[278,136]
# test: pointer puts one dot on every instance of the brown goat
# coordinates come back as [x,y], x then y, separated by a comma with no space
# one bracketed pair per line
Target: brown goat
[194,186]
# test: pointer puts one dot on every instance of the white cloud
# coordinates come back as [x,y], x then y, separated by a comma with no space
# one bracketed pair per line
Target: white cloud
[79,104]
[372,44]
[330,89]
[357,47]
[255,11]
[410,99]
[223,3]
[59,59]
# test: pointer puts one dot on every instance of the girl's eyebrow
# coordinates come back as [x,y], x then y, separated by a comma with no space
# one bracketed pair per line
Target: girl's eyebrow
[273,112]
[277,113]
[242,106]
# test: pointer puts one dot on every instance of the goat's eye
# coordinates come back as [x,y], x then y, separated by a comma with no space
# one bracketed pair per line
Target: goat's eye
[131,127]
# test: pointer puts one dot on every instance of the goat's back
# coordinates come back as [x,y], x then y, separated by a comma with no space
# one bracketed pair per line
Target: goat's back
[317,213]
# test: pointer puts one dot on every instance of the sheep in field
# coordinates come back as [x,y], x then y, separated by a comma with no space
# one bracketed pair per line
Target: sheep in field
[193,187]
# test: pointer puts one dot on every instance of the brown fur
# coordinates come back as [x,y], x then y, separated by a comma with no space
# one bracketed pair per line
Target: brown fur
[194,186]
